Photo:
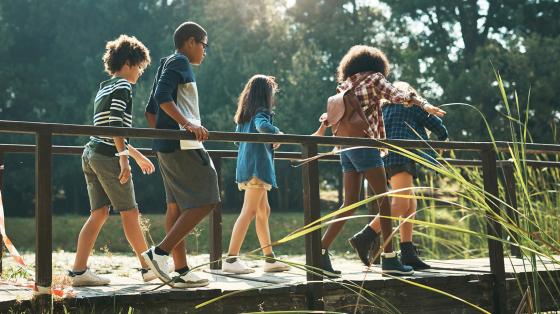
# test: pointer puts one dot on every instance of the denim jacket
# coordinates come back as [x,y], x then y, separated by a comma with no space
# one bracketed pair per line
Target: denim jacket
[256,159]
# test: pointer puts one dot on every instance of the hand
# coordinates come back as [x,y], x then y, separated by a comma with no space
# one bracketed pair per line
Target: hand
[200,132]
[276,145]
[436,111]
[323,117]
[324,121]
[145,164]
[125,174]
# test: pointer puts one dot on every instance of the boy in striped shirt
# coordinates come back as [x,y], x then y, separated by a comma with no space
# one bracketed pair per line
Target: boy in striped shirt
[105,159]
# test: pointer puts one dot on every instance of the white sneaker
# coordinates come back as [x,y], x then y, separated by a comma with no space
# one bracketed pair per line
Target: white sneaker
[157,263]
[237,267]
[275,267]
[189,280]
[88,278]
[147,275]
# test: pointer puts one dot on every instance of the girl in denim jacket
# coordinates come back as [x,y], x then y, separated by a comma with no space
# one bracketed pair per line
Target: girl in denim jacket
[255,173]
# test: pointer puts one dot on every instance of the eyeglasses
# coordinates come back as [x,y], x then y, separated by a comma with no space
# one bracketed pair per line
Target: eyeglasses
[205,46]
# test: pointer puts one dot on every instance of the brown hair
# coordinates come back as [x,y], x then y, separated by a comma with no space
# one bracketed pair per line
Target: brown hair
[362,58]
[186,31]
[122,50]
[258,94]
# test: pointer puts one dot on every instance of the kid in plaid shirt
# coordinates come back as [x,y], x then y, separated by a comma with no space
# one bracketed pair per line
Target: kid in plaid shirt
[364,70]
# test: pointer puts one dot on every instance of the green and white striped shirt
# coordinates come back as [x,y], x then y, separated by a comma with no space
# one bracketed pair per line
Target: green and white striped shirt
[112,107]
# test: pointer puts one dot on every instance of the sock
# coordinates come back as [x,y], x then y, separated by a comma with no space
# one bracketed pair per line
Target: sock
[182,270]
[160,251]
[143,270]
[77,273]
[270,258]
[407,248]
[231,259]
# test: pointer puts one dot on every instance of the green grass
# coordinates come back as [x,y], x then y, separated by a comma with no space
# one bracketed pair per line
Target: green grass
[66,229]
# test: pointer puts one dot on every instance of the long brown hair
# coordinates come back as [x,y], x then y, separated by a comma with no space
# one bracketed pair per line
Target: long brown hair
[258,94]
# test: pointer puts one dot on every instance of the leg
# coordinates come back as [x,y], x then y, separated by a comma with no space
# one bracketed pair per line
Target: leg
[133,233]
[251,202]
[179,251]
[261,224]
[390,263]
[407,227]
[183,225]
[376,179]
[400,207]
[87,237]
[352,186]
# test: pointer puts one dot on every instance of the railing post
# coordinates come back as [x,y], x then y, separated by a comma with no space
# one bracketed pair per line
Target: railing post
[494,229]
[1,180]
[43,221]
[511,200]
[215,230]
[311,203]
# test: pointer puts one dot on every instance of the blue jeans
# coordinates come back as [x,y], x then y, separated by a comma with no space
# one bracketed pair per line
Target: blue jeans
[360,159]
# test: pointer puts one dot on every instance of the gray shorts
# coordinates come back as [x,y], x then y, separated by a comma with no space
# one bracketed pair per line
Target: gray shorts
[102,179]
[189,178]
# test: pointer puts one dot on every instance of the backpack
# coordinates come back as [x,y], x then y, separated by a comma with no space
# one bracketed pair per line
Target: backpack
[346,117]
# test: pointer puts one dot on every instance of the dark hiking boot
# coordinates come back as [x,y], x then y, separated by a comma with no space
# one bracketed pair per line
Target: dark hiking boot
[363,241]
[409,256]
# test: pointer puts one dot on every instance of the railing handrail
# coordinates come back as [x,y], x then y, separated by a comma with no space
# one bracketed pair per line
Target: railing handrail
[280,155]
[87,130]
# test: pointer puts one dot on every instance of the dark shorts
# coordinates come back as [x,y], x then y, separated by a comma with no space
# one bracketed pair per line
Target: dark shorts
[189,178]
[103,184]
[360,159]
[409,167]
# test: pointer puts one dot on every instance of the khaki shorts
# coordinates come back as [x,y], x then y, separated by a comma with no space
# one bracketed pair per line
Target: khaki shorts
[189,178]
[254,183]
[103,185]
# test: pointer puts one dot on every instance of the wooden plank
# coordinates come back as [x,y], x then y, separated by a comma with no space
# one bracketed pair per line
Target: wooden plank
[43,219]
[508,180]
[312,212]
[495,248]
[215,221]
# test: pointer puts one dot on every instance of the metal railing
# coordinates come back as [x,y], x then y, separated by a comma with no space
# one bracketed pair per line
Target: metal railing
[44,150]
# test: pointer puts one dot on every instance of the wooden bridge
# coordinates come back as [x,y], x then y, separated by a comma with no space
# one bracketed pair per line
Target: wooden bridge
[487,283]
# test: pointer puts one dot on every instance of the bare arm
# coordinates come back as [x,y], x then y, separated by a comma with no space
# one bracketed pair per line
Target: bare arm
[171,109]
[151,119]
[124,175]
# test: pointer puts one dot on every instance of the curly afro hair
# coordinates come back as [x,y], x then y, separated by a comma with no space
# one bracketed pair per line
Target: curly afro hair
[362,58]
[122,50]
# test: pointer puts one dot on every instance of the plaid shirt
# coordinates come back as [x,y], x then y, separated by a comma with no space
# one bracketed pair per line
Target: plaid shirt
[370,88]
[411,124]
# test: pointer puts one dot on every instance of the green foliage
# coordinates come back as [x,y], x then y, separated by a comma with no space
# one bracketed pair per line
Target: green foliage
[51,67]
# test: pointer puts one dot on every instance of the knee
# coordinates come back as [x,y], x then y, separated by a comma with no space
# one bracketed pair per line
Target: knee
[400,206]
[248,212]
[263,213]
[100,213]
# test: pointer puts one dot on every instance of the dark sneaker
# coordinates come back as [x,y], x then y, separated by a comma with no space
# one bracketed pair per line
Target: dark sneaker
[362,242]
[327,266]
[391,265]
[410,256]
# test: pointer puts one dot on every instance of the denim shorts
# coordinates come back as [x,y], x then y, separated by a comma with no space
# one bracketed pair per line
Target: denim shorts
[409,167]
[360,159]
